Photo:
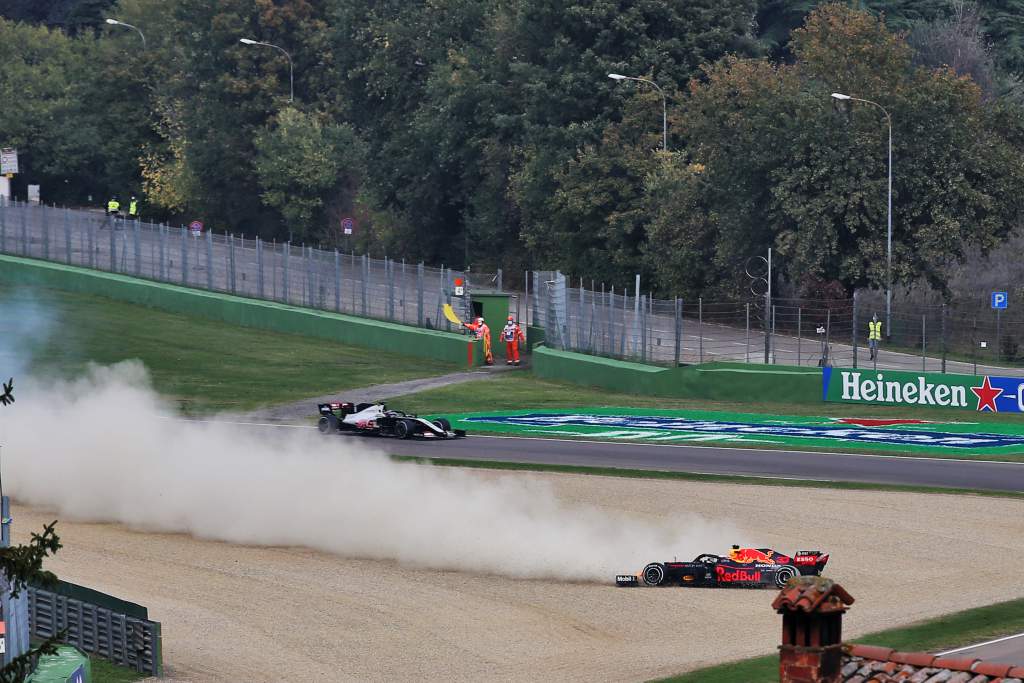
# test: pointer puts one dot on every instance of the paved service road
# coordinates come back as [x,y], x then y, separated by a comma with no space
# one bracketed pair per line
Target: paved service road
[1008,650]
[876,469]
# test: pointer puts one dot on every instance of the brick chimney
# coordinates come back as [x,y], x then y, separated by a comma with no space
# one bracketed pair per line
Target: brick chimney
[812,635]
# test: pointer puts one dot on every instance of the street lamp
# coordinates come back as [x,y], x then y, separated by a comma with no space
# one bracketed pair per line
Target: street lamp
[115,22]
[291,68]
[664,105]
[888,241]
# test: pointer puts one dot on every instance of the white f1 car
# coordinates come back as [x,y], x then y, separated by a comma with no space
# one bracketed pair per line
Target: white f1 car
[375,418]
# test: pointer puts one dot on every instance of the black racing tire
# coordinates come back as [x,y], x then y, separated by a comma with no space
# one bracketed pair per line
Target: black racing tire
[327,424]
[653,574]
[404,429]
[784,574]
[443,424]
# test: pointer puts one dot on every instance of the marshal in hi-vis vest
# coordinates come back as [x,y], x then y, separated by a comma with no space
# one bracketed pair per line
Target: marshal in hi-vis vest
[874,330]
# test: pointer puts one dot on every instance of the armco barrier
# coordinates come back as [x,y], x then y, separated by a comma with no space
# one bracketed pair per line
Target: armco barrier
[260,314]
[738,382]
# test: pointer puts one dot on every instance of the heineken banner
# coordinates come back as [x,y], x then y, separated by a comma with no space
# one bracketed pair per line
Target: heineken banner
[891,387]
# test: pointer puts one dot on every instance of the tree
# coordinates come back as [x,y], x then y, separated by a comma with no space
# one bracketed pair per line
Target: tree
[786,169]
[305,165]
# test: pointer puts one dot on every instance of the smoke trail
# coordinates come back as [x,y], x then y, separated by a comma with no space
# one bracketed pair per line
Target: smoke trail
[25,324]
[105,448]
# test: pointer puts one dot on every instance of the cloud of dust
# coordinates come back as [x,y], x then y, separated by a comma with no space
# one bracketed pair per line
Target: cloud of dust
[25,323]
[104,447]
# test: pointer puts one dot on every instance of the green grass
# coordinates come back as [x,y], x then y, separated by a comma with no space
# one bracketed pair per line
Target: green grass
[935,635]
[104,671]
[206,365]
[712,478]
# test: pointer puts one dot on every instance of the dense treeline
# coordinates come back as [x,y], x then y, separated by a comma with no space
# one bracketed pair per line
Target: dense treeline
[487,132]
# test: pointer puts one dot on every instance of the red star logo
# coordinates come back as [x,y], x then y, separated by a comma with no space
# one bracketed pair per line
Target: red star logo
[987,396]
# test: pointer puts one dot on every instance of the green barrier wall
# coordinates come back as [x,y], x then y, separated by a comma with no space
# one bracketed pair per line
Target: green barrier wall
[712,381]
[62,667]
[237,310]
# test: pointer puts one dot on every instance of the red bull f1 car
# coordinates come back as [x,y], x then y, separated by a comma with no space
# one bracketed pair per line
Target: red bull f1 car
[375,418]
[741,568]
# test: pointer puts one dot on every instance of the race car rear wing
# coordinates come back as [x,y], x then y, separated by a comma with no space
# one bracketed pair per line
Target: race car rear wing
[810,558]
[330,408]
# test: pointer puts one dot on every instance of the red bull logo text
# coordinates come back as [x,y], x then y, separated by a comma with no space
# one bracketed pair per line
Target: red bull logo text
[736,575]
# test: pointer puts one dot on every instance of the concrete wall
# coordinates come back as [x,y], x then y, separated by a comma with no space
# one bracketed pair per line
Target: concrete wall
[712,381]
[259,314]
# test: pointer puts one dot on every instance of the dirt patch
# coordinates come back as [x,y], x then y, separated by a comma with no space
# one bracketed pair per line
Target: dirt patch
[270,614]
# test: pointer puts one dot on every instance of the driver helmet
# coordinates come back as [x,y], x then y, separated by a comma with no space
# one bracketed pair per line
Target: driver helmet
[510,318]
[734,553]
[480,320]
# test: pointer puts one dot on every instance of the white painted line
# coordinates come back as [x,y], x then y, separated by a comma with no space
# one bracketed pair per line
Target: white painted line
[971,647]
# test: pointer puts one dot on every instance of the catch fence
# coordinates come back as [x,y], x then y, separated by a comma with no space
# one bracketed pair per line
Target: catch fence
[964,337]
[301,275]
[617,323]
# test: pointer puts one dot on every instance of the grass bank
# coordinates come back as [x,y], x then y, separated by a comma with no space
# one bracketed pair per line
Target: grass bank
[935,635]
[201,364]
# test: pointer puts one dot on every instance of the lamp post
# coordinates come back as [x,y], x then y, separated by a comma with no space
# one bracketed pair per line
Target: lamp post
[291,67]
[115,22]
[664,105]
[888,240]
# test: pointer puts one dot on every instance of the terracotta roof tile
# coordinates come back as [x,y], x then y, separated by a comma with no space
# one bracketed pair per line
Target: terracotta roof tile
[992,668]
[871,664]
[812,594]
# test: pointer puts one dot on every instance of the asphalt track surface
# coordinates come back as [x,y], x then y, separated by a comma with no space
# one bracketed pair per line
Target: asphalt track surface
[1008,650]
[876,469]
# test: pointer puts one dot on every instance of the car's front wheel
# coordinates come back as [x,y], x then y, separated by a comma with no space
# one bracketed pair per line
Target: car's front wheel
[784,574]
[654,574]
[327,424]
[443,424]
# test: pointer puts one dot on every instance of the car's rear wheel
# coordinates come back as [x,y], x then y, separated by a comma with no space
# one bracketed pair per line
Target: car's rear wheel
[404,429]
[784,574]
[443,424]
[327,424]
[654,574]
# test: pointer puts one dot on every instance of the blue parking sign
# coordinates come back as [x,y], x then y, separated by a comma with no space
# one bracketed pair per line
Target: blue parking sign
[999,300]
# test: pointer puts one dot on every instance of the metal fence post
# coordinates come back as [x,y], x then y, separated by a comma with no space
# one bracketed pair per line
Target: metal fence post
[943,327]
[260,290]
[366,281]
[636,313]
[337,281]
[184,255]
[748,331]
[161,239]
[998,343]
[924,367]
[113,246]
[138,248]
[679,329]
[853,332]
[389,271]
[209,260]
[419,294]
[231,264]
[46,230]
[90,228]
[700,325]
[774,359]
[643,328]
[286,276]
[799,333]
[67,236]
[24,230]
[974,345]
